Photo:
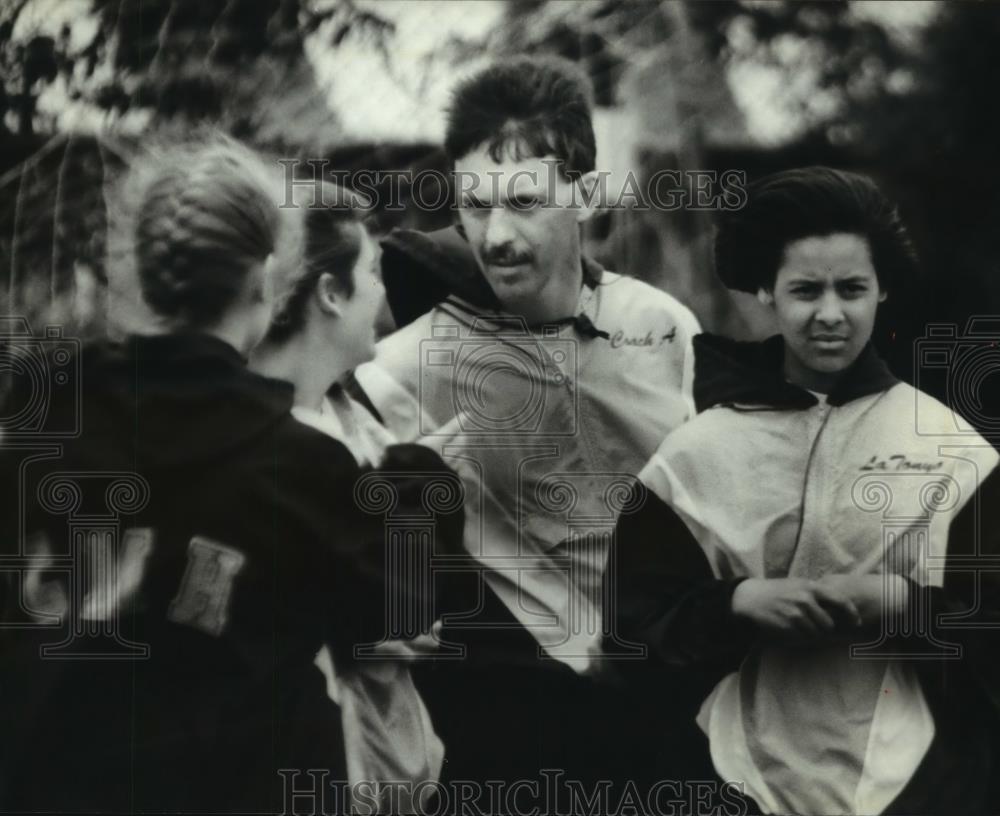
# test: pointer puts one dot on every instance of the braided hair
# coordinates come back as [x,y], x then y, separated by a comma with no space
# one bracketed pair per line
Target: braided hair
[197,218]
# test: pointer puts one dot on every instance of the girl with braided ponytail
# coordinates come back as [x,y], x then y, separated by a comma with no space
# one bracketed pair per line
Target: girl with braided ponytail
[194,687]
[194,233]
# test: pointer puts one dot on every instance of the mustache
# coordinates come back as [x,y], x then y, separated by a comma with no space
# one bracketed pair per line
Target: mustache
[505,257]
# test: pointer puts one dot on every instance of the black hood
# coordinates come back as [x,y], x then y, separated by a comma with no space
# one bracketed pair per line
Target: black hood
[173,400]
[729,371]
[422,269]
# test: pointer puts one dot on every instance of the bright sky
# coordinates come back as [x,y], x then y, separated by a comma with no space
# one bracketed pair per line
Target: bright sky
[408,103]
[49,16]
[763,93]
[404,99]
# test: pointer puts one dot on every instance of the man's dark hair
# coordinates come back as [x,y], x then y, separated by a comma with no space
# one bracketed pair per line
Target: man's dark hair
[528,106]
[784,207]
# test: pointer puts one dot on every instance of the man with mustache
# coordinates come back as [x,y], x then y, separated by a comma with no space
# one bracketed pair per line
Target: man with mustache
[526,395]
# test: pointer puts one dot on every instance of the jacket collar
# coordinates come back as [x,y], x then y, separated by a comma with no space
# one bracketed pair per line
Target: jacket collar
[491,318]
[186,346]
[185,398]
[729,371]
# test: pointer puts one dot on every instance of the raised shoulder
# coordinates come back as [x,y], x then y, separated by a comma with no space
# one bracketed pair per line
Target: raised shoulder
[702,434]
[702,445]
[931,416]
[629,295]
[401,348]
[935,423]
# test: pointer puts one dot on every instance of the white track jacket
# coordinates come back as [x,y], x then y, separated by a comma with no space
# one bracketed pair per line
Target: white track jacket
[772,481]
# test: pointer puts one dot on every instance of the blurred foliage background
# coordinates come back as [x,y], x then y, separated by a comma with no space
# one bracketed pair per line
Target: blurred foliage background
[905,91]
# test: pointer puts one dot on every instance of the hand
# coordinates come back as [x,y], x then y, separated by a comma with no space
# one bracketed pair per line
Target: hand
[795,610]
[872,595]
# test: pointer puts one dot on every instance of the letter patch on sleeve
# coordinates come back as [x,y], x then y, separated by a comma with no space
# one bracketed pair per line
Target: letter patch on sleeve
[203,599]
[114,582]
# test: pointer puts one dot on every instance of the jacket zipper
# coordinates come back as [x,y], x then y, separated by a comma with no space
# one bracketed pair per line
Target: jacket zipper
[805,483]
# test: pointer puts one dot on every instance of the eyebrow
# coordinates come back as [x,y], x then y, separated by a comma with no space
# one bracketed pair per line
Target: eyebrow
[520,198]
[814,282]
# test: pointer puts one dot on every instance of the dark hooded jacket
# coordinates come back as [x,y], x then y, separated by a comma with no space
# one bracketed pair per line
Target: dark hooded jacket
[200,545]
